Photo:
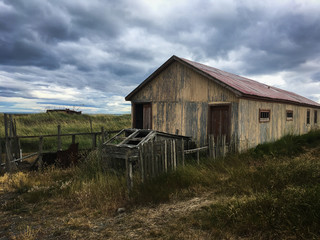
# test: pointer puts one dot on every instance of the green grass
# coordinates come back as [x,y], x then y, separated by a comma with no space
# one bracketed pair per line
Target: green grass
[270,192]
[46,124]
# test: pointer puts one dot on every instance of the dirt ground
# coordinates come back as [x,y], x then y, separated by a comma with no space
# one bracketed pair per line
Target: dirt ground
[52,221]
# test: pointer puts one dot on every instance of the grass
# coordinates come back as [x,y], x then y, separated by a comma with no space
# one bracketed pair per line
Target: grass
[46,123]
[270,192]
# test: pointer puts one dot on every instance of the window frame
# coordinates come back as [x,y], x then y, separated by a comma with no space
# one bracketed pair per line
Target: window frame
[264,120]
[315,120]
[289,118]
[308,116]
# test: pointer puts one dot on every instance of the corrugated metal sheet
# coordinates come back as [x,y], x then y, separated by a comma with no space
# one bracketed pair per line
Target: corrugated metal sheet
[250,87]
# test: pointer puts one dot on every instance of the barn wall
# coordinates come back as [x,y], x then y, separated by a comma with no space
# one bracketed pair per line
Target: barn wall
[180,98]
[252,132]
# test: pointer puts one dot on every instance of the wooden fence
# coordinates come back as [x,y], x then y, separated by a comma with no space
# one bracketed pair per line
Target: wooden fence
[13,151]
[157,157]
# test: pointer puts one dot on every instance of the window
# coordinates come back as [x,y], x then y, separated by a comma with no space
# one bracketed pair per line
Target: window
[289,115]
[315,116]
[308,116]
[264,115]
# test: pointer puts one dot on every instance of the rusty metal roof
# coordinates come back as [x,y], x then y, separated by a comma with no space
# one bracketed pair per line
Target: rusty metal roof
[241,86]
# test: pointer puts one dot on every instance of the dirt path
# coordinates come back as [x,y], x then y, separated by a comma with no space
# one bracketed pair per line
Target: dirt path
[51,221]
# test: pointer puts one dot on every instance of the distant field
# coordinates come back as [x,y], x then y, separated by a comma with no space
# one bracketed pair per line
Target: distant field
[46,123]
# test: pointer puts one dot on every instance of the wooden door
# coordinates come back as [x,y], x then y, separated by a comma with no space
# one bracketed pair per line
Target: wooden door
[219,121]
[147,116]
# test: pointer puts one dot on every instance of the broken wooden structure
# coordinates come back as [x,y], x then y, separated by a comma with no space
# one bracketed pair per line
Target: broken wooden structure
[128,144]
[148,153]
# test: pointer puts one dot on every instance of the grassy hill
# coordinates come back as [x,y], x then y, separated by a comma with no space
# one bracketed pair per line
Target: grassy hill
[270,192]
[46,123]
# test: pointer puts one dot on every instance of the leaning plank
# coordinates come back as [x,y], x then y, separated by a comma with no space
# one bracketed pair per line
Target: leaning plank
[195,150]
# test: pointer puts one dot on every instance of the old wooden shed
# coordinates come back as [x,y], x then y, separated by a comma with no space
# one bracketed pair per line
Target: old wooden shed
[188,98]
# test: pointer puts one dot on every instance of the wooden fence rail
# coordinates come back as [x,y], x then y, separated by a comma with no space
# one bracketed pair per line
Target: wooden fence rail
[13,151]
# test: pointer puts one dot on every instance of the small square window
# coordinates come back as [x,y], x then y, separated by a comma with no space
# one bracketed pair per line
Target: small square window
[308,116]
[289,115]
[264,115]
[315,116]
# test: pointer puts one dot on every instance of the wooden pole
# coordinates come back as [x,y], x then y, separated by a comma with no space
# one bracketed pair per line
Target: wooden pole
[174,155]
[102,135]
[213,147]
[182,151]
[0,151]
[152,158]
[73,139]
[171,155]
[165,156]
[40,163]
[59,138]
[8,152]
[141,163]
[129,172]
[224,143]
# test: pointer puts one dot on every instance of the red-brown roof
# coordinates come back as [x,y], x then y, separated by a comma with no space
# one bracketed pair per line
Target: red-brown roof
[241,86]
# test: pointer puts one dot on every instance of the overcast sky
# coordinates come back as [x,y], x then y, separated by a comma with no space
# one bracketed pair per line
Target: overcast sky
[89,54]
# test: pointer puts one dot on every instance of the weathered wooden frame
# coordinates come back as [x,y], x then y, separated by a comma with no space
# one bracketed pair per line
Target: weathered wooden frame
[264,110]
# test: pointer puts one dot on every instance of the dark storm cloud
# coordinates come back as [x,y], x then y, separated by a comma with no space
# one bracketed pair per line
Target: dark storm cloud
[99,49]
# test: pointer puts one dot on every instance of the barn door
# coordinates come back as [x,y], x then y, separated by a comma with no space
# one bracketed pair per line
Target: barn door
[219,121]
[142,116]
[147,116]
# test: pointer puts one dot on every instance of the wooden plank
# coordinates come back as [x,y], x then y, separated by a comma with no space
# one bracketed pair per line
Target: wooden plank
[152,158]
[174,155]
[182,151]
[102,135]
[141,164]
[165,156]
[128,173]
[171,155]
[0,151]
[213,146]
[130,136]
[195,150]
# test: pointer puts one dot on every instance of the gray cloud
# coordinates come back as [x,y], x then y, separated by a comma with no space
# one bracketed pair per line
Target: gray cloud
[108,47]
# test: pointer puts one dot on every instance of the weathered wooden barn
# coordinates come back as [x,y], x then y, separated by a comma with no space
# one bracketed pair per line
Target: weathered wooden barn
[188,98]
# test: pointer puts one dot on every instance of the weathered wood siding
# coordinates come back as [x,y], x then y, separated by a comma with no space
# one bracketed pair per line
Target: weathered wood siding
[180,98]
[252,132]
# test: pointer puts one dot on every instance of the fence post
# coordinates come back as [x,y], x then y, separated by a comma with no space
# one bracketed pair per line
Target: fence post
[141,164]
[174,155]
[102,135]
[182,151]
[129,172]
[224,146]
[59,138]
[152,158]
[40,163]
[0,151]
[213,146]
[165,156]
[9,165]
[73,139]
